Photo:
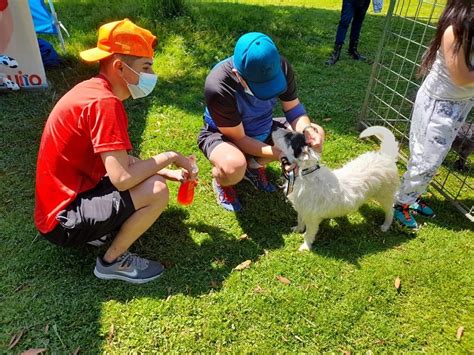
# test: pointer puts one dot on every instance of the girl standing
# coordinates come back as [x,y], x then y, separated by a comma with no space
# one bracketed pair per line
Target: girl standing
[441,106]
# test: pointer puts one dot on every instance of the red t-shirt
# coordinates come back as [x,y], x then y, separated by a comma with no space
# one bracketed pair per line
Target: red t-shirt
[85,122]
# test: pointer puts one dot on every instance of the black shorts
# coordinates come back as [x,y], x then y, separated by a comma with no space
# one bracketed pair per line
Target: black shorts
[93,214]
[210,138]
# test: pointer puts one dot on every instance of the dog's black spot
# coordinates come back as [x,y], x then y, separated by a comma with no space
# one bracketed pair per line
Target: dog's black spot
[290,142]
[296,141]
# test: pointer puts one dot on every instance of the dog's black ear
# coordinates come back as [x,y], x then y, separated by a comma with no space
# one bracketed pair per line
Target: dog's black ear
[298,143]
[289,142]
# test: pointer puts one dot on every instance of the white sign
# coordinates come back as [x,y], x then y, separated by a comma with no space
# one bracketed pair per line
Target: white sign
[20,58]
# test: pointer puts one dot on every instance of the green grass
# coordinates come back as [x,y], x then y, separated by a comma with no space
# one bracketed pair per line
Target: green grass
[341,296]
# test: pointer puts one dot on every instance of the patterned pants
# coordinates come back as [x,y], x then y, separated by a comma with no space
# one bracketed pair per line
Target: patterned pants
[434,126]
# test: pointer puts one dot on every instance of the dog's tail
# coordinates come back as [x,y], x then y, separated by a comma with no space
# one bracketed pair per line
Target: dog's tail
[389,145]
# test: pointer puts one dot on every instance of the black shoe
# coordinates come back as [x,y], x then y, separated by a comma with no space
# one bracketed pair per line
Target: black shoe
[354,53]
[336,53]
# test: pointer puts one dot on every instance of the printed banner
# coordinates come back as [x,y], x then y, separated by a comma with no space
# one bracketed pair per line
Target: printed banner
[20,58]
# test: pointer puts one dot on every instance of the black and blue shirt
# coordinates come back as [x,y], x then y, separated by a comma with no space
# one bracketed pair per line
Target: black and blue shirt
[228,105]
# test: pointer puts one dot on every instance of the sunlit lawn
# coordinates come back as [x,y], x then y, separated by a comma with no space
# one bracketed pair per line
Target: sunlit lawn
[340,297]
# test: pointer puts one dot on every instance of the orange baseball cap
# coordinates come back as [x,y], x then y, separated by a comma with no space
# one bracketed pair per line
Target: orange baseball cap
[123,37]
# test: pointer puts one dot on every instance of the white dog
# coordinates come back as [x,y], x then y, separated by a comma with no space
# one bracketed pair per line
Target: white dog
[319,193]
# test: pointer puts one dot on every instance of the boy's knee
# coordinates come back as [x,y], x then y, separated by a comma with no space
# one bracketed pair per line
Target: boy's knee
[159,188]
[233,166]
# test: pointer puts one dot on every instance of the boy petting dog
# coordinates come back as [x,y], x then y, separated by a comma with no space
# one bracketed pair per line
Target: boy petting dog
[318,193]
[241,93]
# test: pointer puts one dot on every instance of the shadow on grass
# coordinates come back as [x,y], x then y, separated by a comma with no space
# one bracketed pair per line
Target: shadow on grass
[350,242]
[353,241]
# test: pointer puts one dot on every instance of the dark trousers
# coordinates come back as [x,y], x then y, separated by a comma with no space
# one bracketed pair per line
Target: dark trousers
[352,10]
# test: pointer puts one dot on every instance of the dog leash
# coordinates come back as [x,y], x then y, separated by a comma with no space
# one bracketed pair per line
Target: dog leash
[290,176]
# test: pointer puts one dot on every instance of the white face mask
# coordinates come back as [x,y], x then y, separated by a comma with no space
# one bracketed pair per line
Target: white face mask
[146,84]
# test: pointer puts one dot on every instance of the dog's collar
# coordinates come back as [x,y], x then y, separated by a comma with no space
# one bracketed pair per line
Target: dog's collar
[310,170]
[290,176]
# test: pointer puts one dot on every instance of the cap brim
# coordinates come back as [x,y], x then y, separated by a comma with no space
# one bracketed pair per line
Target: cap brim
[269,89]
[94,54]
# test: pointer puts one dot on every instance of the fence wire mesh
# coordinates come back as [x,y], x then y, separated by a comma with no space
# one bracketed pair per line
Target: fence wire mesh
[409,28]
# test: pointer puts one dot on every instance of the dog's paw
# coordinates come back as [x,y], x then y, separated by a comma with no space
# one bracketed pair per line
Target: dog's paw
[385,227]
[304,247]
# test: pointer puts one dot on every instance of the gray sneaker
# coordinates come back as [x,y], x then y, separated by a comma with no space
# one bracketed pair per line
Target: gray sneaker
[129,267]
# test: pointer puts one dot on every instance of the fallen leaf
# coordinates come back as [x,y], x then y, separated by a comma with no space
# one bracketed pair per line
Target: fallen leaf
[283,280]
[34,351]
[398,283]
[111,334]
[77,351]
[244,237]
[15,339]
[46,329]
[265,252]
[347,352]
[370,299]
[258,289]
[244,265]
[460,333]
[327,119]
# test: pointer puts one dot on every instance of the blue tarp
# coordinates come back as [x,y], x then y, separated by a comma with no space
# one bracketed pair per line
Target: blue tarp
[42,18]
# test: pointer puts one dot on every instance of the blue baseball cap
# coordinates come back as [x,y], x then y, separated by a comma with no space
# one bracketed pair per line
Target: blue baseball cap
[257,60]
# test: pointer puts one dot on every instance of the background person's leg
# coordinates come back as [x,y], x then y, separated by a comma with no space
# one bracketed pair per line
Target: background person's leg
[347,13]
[360,9]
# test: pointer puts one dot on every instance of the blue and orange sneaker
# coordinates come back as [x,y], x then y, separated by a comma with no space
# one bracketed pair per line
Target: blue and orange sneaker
[420,207]
[402,214]
[258,178]
[226,197]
